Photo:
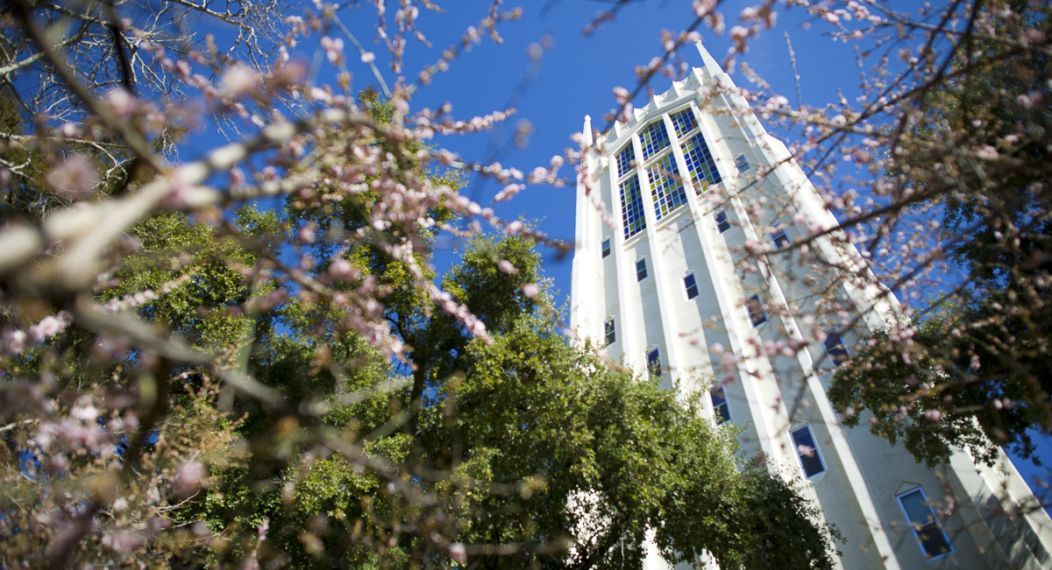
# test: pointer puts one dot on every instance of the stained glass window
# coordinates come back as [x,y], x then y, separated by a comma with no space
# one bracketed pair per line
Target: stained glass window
[653,139]
[700,164]
[632,207]
[666,185]
[626,160]
[684,122]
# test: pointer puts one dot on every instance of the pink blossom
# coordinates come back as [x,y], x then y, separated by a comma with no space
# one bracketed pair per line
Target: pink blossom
[122,102]
[13,341]
[458,553]
[189,477]
[48,327]
[507,267]
[76,177]
[238,80]
[530,290]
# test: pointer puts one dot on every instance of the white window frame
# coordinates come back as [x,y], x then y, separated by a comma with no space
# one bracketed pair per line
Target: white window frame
[913,529]
[818,452]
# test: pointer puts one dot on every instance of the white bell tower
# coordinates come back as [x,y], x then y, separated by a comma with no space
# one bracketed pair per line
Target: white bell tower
[668,211]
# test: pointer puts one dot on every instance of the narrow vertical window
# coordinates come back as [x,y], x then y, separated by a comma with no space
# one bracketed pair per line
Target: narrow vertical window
[925,524]
[721,221]
[807,450]
[653,139]
[626,160]
[835,347]
[632,217]
[720,408]
[690,284]
[606,247]
[654,361]
[757,314]
[742,163]
[610,331]
[641,269]
[684,122]
[780,239]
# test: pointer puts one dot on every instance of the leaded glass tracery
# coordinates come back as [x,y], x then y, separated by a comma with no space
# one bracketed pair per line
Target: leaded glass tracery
[632,207]
[684,122]
[653,139]
[700,163]
[666,185]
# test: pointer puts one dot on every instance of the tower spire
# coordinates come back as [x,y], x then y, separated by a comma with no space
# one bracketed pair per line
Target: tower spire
[709,62]
[586,132]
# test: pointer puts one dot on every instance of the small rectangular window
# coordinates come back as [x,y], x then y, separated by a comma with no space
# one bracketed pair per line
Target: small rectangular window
[654,361]
[807,450]
[606,247]
[610,331]
[720,408]
[925,524]
[835,347]
[742,163]
[721,221]
[757,314]
[780,239]
[691,285]
[641,269]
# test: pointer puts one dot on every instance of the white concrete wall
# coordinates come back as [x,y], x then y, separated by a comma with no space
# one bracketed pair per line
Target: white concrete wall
[771,394]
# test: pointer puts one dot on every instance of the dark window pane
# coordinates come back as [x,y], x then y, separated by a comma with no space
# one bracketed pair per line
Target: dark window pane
[835,347]
[611,332]
[757,314]
[721,221]
[780,239]
[641,269]
[654,362]
[720,407]
[691,286]
[807,450]
[606,247]
[925,524]
[742,163]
